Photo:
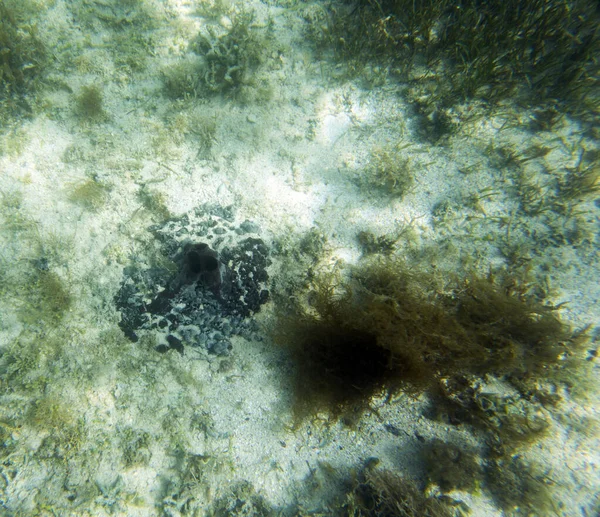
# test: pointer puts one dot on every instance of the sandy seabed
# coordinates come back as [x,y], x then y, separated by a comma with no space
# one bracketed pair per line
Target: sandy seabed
[92,423]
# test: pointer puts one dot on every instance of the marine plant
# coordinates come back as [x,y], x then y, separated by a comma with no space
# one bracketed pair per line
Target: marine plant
[48,298]
[240,500]
[89,104]
[388,171]
[154,202]
[541,52]
[13,218]
[519,488]
[90,194]
[386,327]
[378,492]
[371,243]
[580,181]
[134,446]
[224,60]
[182,79]
[22,53]
[204,126]
[230,58]
[509,421]
[450,466]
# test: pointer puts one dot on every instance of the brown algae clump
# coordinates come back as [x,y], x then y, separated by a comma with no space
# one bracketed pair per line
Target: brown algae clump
[389,327]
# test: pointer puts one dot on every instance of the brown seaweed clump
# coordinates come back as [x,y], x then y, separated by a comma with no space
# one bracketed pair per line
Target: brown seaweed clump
[388,327]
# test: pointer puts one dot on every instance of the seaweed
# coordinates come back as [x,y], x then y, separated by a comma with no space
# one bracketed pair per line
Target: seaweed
[581,181]
[545,118]
[371,243]
[204,127]
[48,299]
[241,500]
[535,198]
[134,445]
[24,361]
[22,54]
[90,194]
[451,467]
[154,202]
[65,431]
[518,488]
[540,52]
[387,172]
[390,327]
[509,421]
[224,60]
[229,59]
[89,104]
[14,220]
[383,493]
[182,79]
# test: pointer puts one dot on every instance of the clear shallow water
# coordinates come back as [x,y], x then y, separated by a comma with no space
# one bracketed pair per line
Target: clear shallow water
[140,379]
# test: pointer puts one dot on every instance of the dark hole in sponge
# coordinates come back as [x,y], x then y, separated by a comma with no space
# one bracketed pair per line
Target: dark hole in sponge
[199,262]
[202,265]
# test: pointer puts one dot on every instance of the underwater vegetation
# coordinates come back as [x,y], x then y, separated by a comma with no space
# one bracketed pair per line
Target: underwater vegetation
[387,327]
[90,194]
[129,29]
[22,54]
[581,181]
[89,103]
[241,500]
[48,298]
[540,52]
[230,58]
[560,189]
[154,202]
[450,466]
[224,59]
[488,353]
[23,59]
[370,243]
[388,172]
[516,487]
[380,493]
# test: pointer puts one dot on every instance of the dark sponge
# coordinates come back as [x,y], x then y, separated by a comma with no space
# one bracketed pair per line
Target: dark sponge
[211,296]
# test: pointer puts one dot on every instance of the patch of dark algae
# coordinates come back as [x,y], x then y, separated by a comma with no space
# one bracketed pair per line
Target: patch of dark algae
[208,278]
